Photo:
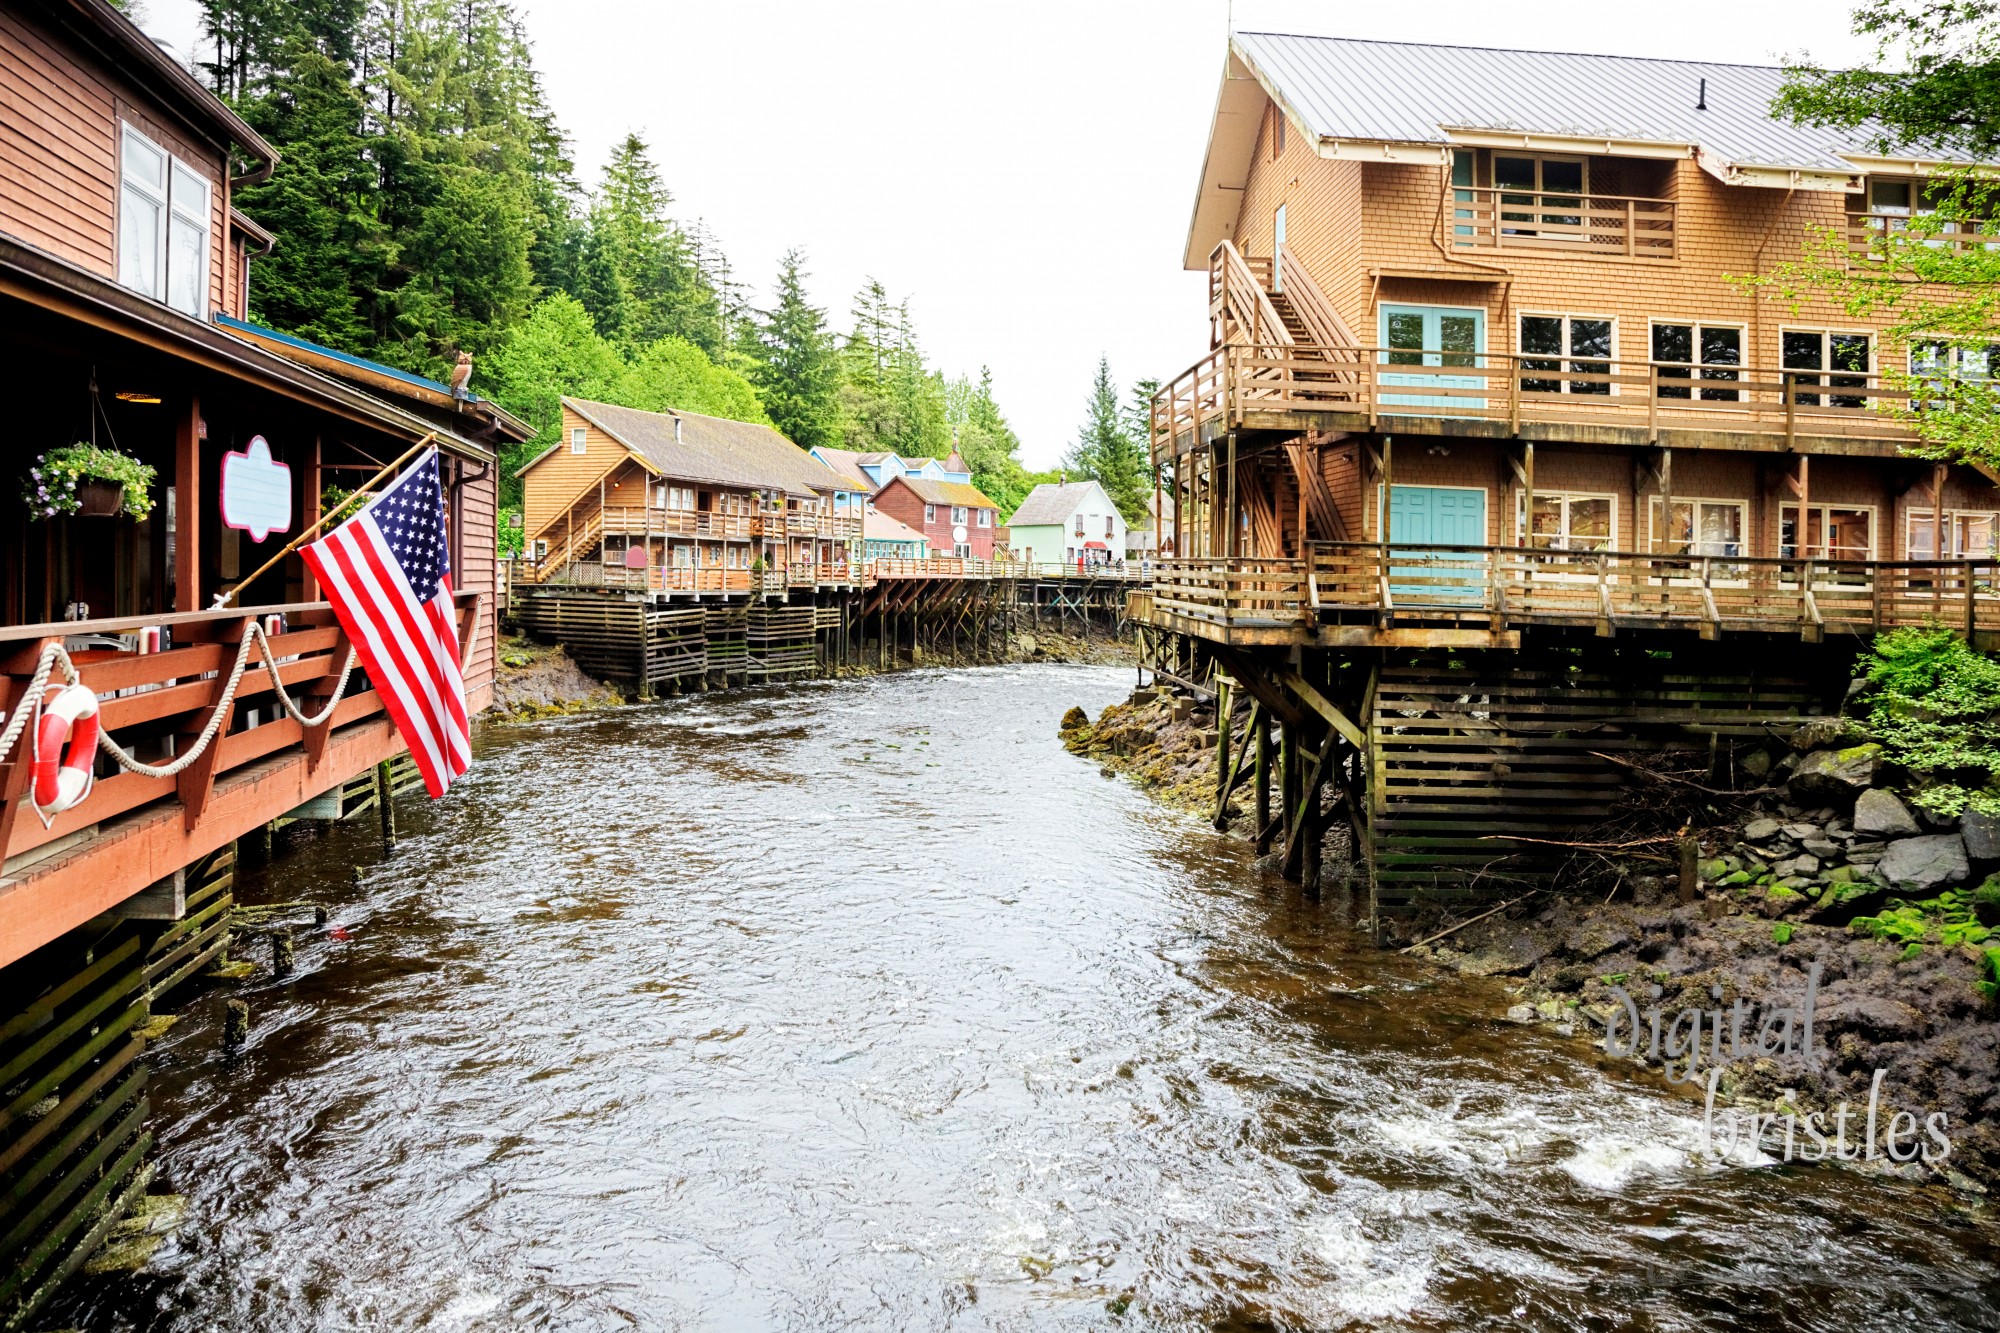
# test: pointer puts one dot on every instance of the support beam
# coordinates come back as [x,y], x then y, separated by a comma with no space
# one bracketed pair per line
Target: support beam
[1324,706]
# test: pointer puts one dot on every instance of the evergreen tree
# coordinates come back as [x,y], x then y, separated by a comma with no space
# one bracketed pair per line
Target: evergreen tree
[320,204]
[554,351]
[986,442]
[1105,450]
[791,359]
[674,374]
[660,290]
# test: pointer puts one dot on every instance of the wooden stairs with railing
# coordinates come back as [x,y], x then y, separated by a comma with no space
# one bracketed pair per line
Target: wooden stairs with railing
[576,543]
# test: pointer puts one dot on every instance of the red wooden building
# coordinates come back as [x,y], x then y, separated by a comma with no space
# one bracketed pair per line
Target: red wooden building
[123,275]
[955,517]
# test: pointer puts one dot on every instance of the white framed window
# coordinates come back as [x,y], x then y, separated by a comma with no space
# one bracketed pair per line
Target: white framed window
[1969,534]
[1698,527]
[1579,344]
[1940,359]
[1568,521]
[1833,351]
[1833,532]
[930,513]
[164,206]
[958,513]
[986,518]
[1679,347]
[578,438]
[962,551]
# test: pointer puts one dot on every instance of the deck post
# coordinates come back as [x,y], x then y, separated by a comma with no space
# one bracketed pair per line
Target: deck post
[1262,787]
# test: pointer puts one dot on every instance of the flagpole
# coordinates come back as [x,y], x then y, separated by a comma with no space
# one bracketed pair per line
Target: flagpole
[223,598]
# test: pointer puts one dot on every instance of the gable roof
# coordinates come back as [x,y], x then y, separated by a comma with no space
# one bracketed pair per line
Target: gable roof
[880,527]
[1407,101]
[845,462]
[934,492]
[708,449]
[1052,502]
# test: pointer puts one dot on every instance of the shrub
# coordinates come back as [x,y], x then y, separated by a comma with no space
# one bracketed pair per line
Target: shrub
[1935,709]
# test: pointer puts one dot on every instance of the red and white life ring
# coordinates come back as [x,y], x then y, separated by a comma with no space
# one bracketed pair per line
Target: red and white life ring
[69,723]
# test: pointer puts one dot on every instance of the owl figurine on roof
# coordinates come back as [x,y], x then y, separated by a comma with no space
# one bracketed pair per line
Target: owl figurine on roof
[461,376]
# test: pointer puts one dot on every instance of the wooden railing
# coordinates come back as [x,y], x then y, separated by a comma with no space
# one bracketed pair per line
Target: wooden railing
[1613,226]
[1239,299]
[710,578]
[155,706]
[1507,586]
[1865,233]
[1234,384]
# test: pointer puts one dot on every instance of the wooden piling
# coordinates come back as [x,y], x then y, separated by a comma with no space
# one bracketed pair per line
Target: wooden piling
[385,799]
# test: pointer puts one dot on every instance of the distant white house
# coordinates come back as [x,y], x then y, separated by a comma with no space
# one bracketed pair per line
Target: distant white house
[1068,522]
[1142,540]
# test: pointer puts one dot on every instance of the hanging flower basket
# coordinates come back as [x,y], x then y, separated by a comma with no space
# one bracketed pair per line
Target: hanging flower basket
[99,499]
[88,480]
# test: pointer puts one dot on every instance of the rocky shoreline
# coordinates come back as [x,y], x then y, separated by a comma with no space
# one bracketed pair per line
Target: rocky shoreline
[1820,863]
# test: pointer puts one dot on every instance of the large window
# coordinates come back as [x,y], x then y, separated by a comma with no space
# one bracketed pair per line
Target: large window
[1560,521]
[1817,350]
[1714,348]
[1580,345]
[1699,527]
[1540,196]
[163,212]
[1833,532]
[1968,534]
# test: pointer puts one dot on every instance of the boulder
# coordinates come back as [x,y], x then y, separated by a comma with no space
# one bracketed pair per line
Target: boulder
[1823,733]
[1800,832]
[1823,848]
[1882,814]
[1762,830]
[1835,777]
[1875,1015]
[1982,835]
[1925,862]
[1757,763]
[1798,865]
[1507,956]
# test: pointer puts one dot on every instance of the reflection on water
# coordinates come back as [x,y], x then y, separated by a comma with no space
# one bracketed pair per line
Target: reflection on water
[864,1004]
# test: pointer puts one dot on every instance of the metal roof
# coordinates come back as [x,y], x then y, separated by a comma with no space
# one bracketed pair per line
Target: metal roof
[1405,92]
[934,492]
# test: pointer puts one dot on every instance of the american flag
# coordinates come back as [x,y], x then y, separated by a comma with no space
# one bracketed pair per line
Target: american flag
[387,572]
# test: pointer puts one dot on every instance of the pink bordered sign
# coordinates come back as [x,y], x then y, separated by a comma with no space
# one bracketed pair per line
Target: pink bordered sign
[256,491]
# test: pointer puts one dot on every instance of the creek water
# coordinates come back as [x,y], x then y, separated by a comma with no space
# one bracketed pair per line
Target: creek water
[865,1005]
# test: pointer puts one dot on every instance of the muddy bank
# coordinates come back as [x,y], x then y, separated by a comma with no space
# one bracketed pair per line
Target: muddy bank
[1885,901]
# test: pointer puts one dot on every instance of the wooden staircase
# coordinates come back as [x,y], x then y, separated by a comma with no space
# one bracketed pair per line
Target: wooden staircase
[577,542]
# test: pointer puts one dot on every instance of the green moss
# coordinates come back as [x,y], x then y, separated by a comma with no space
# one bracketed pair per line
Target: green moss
[1619,978]
[1781,932]
[1910,950]
[1737,877]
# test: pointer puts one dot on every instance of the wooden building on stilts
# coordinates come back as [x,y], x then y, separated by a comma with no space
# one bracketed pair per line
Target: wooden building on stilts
[124,269]
[1495,467]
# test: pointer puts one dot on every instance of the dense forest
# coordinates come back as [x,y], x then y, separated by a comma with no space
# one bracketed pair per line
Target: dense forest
[427,203]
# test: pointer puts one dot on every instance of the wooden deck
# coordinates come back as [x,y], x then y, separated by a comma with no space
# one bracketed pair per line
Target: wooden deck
[719,581]
[133,830]
[1360,593]
[1291,388]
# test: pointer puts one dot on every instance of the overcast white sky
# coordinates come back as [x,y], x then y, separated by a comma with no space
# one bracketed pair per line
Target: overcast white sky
[1022,170]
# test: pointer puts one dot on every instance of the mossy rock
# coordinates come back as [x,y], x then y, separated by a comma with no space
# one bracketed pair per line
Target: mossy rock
[1075,718]
[1714,869]
[1737,877]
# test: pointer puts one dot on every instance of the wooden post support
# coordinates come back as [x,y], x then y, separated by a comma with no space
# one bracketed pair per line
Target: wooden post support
[197,780]
[1306,813]
[385,797]
[187,508]
[1262,788]
[1690,857]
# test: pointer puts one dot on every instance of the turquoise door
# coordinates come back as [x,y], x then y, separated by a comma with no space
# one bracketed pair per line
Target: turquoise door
[1437,516]
[1446,336]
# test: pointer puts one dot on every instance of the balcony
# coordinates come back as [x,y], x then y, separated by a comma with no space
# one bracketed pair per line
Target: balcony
[1591,226]
[134,827]
[643,520]
[1866,233]
[1296,387]
[1360,593]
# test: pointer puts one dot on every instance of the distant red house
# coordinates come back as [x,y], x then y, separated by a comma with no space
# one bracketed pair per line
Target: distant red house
[955,517]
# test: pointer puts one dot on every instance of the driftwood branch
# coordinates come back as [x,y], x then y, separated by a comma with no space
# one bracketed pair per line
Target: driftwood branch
[1453,930]
[1680,782]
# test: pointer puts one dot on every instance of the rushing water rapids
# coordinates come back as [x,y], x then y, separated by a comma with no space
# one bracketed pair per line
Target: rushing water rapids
[865,1005]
